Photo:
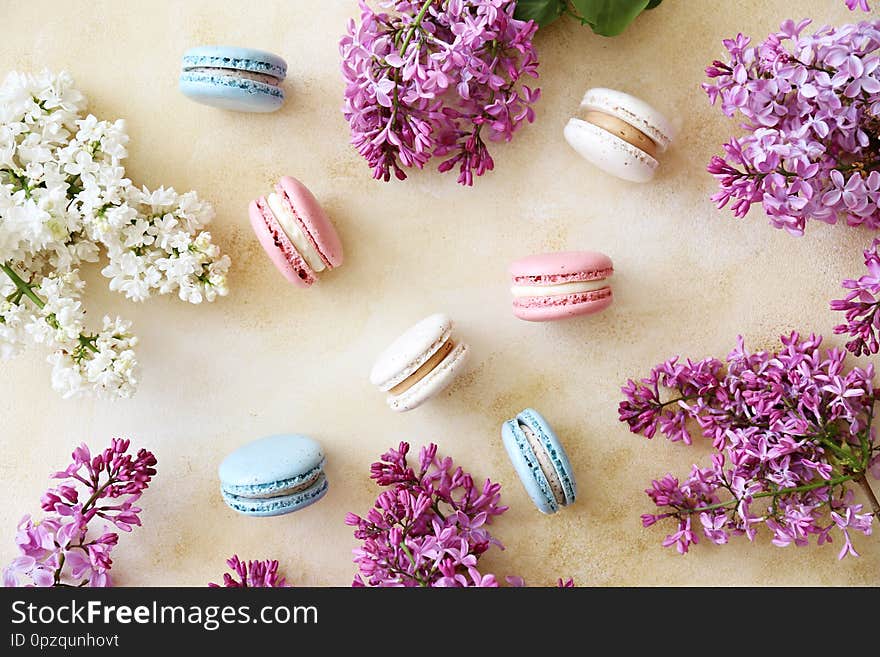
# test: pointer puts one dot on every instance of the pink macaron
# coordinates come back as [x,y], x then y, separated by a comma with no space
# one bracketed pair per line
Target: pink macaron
[555,286]
[295,232]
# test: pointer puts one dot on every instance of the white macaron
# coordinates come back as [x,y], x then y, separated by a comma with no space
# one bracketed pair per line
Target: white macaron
[619,133]
[419,364]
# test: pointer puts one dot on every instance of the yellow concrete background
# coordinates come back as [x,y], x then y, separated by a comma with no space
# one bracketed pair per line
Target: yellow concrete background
[271,358]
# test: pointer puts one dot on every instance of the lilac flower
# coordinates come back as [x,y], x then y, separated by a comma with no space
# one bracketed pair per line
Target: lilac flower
[251,574]
[852,5]
[861,307]
[428,528]
[60,549]
[41,574]
[810,104]
[851,519]
[791,430]
[436,79]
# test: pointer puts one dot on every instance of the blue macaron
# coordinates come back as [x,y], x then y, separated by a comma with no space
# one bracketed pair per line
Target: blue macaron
[540,461]
[273,476]
[239,79]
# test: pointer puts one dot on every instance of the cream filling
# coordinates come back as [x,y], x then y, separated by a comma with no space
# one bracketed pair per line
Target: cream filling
[574,287]
[289,491]
[545,464]
[620,128]
[237,73]
[291,228]
[424,369]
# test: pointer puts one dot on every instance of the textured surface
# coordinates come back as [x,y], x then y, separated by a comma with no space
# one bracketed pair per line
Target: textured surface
[271,358]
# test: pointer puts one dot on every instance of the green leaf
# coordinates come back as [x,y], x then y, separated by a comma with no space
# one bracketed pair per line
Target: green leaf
[653,4]
[543,12]
[609,17]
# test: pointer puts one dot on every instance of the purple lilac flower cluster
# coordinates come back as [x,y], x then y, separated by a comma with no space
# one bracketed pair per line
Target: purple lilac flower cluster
[428,528]
[852,5]
[437,78]
[60,549]
[861,307]
[251,574]
[810,104]
[792,431]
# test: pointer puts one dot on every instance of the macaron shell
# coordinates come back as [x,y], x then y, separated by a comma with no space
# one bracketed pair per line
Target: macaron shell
[562,266]
[435,382]
[554,449]
[230,93]
[527,467]
[608,152]
[315,222]
[254,478]
[278,246]
[273,487]
[548,309]
[271,459]
[276,506]
[407,353]
[234,57]
[632,110]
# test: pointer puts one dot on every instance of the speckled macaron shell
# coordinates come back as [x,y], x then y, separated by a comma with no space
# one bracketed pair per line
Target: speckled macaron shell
[412,350]
[221,76]
[608,151]
[632,110]
[280,505]
[278,246]
[528,464]
[312,222]
[273,475]
[434,383]
[565,268]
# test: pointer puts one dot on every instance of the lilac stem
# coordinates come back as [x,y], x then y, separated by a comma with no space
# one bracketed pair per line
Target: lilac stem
[415,25]
[26,289]
[775,493]
[412,560]
[86,506]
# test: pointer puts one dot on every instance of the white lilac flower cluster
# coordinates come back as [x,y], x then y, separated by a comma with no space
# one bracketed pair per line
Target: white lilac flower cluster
[64,197]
